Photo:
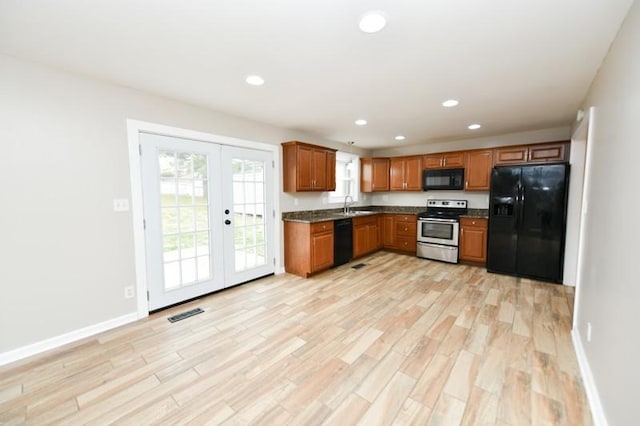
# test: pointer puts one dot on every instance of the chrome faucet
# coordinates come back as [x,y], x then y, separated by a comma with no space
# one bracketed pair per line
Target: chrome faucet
[347,208]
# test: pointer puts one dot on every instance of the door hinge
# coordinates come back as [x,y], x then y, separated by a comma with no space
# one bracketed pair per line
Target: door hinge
[273,164]
[147,295]
[140,149]
[144,223]
[274,261]
[274,214]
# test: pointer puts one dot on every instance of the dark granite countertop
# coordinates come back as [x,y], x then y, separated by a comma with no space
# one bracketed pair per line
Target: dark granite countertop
[312,216]
[477,213]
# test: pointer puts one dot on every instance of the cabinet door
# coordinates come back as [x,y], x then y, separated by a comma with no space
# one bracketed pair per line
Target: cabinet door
[319,172]
[321,250]
[511,155]
[380,174]
[388,231]
[396,174]
[373,231]
[478,170]
[360,239]
[548,153]
[304,168]
[432,161]
[413,174]
[453,159]
[473,240]
[331,171]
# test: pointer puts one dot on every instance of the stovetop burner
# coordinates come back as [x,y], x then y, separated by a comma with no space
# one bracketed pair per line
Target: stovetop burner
[444,209]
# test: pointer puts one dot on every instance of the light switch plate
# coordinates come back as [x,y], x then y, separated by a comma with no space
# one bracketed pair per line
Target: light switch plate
[120,205]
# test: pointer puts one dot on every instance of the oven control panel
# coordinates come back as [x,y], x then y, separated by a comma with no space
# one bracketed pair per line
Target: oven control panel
[456,204]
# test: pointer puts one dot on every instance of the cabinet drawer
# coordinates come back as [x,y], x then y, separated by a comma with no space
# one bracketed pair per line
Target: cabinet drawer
[322,226]
[406,229]
[406,243]
[476,221]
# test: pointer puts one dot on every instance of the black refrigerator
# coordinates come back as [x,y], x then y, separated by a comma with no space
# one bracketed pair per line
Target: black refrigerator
[527,220]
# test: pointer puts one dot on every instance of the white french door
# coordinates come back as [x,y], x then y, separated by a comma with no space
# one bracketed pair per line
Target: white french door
[208,214]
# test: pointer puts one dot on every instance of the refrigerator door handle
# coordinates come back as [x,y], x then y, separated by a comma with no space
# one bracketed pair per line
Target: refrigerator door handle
[522,192]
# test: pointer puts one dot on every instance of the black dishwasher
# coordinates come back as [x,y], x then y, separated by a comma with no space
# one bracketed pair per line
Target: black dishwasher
[342,241]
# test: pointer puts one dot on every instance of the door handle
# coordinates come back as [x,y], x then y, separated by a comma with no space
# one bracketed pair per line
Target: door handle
[227,222]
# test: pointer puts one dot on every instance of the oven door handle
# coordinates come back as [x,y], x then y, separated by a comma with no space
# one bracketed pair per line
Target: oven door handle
[438,220]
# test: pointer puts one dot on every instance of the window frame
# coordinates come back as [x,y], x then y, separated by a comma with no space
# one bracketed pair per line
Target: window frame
[345,157]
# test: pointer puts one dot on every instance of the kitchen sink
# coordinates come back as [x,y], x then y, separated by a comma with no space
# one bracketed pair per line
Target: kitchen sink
[355,213]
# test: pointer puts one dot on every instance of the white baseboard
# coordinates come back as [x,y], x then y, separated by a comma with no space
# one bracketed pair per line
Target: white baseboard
[63,339]
[597,411]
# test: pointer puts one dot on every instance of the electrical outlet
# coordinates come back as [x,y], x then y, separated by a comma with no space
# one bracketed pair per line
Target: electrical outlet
[120,205]
[588,332]
[128,292]
[295,202]
[385,198]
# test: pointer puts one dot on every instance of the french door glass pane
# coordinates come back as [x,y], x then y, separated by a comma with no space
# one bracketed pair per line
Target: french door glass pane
[185,218]
[248,206]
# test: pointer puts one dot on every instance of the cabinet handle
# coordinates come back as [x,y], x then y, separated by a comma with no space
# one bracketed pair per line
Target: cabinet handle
[444,161]
[466,184]
[441,162]
[406,229]
[473,223]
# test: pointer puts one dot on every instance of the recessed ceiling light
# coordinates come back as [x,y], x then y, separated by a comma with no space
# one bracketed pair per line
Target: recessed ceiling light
[474,126]
[400,138]
[361,122]
[255,80]
[372,22]
[450,103]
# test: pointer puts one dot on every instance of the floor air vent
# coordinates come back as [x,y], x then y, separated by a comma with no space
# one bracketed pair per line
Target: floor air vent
[184,315]
[359,265]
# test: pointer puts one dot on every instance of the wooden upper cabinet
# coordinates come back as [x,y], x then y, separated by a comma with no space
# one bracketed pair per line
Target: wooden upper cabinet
[445,160]
[374,174]
[331,171]
[478,170]
[555,152]
[511,155]
[405,173]
[308,167]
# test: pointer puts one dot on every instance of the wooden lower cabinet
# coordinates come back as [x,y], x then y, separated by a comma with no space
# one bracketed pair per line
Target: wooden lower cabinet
[366,235]
[400,232]
[473,240]
[308,247]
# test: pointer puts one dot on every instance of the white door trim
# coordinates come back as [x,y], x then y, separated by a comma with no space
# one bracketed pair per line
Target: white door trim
[134,128]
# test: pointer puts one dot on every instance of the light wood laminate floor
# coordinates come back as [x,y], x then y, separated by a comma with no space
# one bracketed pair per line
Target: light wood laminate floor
[400,341]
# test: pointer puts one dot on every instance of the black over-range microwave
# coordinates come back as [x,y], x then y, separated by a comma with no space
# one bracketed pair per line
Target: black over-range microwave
[442,179]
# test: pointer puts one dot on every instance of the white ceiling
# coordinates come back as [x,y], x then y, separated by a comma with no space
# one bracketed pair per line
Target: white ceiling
[514,65]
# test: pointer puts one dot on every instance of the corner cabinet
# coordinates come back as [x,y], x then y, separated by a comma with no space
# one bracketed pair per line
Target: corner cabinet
[308,167]
[405,173]
[308,247]
[478,170]
[374,174]
[473,240]
[366,235]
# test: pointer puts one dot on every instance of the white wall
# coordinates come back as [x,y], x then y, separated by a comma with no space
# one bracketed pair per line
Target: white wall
[66,256]
[609,289]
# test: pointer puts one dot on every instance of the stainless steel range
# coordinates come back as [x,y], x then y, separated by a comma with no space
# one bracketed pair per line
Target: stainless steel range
[438,229]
